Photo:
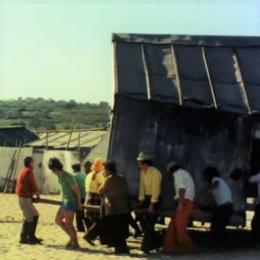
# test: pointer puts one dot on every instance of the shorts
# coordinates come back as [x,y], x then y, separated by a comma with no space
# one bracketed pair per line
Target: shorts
[70,205]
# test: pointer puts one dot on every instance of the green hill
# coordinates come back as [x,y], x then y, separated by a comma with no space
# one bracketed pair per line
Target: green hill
[42,114]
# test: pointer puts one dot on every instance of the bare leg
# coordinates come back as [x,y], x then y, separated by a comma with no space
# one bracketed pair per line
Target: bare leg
[60,216]
[69,217]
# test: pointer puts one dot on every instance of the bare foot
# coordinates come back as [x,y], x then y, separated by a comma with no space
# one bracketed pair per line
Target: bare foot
[73,245]
[68,244]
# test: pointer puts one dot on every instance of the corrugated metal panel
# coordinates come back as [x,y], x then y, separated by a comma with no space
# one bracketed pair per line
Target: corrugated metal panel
[193,71]
[190,40]
[60,139]
[194,138]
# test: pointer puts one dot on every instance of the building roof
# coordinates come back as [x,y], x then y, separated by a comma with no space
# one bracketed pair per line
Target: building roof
[216,72]
[68,139]
[15,136]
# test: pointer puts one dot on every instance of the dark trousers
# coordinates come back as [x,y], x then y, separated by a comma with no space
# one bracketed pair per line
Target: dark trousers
[220,219]
[255,224]
[134,225]
[112,230]
[80,219]
[148,221]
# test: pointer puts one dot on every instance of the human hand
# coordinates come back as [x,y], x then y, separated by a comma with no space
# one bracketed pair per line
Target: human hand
[151,209]
[179,207]
[80,206]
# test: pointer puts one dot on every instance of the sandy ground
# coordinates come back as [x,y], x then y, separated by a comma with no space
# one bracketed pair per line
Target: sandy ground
[55,239]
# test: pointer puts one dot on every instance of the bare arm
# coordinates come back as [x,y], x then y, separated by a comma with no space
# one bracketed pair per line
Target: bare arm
[76,191]
[33,185]
[255,178]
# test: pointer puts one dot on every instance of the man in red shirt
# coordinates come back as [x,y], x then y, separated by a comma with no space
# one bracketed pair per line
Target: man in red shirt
[25,189]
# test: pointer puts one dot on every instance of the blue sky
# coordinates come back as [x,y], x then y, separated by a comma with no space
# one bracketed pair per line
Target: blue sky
[61,49]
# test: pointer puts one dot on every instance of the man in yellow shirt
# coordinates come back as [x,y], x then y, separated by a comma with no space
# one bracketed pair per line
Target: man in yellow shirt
[149,195]
[94,180]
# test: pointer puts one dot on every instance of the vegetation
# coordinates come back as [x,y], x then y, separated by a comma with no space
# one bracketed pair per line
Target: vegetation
[42,114]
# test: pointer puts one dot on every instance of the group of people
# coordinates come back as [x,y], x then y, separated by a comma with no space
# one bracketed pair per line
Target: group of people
[99,189]
[98,197]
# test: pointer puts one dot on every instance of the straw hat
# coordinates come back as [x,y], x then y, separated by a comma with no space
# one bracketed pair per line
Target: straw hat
[143,157]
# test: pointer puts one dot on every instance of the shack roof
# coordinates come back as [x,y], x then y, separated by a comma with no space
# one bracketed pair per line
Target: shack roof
[15,135]
[63,139]
[219,72]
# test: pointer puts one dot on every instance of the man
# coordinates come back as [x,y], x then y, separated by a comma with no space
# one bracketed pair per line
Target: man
[149,195]
[93,181]
[87,167]
[255,224]
[113,227]
[25,189]
[70,201]
[237,186]
[177,237]
[80,179]
[223,199]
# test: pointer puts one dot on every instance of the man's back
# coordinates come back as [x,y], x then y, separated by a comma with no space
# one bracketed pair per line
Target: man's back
[115,194]
[26,185]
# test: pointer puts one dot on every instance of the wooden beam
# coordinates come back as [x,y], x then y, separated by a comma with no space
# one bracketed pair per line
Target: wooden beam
[241,83]
[146,73]
[72,128]
[115,66]
[204,56]
[175,64]
[57,202]
[9,173]
[79,144]
[16,161]
[69,130]
[47,141]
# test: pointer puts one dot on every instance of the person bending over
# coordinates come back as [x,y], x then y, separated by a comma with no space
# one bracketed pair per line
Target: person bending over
[70,201]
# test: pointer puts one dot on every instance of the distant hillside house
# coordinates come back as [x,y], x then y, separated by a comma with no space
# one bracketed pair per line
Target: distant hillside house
[15,135]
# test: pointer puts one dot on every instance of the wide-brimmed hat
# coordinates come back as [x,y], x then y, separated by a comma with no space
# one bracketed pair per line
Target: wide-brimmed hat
[143,157]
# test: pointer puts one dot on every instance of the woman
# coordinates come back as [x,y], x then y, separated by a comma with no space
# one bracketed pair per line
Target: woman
[70,201]
[94,180]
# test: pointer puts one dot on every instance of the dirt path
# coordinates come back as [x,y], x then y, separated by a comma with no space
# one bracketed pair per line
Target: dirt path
[55,239]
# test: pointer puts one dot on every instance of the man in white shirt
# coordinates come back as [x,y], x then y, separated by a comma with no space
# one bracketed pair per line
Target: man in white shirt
[255,224]
[177,237]
[223,199]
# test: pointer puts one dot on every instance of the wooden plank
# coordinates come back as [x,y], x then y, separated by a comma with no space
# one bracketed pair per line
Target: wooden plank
[13,172]
[57,202]
[9,173]
[115,65]
[70,134]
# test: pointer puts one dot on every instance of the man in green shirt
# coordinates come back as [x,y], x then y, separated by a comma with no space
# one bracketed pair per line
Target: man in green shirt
[70,201]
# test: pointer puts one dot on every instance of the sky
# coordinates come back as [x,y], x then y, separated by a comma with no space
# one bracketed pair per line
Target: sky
[61,49]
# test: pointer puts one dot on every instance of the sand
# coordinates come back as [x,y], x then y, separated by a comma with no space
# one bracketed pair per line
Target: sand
[55,239]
